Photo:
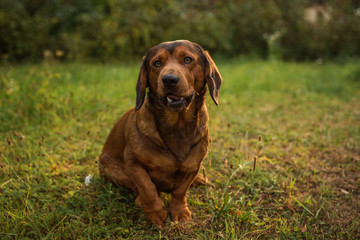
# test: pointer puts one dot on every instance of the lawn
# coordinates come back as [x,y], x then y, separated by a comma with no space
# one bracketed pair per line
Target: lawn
[284,159]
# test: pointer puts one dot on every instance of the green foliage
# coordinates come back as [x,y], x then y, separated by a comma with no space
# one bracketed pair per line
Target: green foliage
[113,30]
[56,117]
[329,39]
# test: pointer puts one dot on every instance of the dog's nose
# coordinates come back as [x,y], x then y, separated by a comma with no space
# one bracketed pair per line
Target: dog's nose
[170,80]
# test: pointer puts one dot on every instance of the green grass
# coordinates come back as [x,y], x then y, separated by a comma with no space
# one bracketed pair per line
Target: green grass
[54,119]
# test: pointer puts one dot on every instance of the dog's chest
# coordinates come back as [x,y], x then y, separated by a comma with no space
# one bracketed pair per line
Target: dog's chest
[180,146]
[180,141]
[171,173]
[167,181]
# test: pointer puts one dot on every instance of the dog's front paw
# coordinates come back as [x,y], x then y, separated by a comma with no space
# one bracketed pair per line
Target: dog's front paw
[181,214]
[157,218]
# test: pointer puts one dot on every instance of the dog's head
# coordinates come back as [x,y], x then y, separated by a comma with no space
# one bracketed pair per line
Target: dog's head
[176,72]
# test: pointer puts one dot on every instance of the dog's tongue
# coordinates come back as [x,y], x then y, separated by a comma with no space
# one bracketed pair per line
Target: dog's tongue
[173,97]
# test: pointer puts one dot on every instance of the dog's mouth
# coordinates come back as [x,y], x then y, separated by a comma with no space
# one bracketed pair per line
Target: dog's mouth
[176,102]
[173,99]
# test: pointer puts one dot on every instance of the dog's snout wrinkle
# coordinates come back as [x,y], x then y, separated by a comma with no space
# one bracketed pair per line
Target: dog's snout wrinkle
[170,80]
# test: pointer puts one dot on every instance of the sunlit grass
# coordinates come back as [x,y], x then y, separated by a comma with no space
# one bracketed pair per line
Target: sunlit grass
[55,119]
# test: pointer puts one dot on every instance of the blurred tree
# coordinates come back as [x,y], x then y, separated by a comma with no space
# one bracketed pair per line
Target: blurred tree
[123,29]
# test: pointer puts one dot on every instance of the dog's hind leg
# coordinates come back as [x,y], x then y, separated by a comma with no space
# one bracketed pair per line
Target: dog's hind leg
[110,169]
[199,180]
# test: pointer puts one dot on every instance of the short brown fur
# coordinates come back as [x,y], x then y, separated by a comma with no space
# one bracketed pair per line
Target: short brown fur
[159,145]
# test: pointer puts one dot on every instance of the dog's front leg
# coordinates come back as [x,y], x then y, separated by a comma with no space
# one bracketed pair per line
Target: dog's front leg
[178,205]
[179,210]
[148,197]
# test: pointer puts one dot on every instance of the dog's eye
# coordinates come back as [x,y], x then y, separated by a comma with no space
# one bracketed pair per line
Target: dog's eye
[187,60]
[157,63]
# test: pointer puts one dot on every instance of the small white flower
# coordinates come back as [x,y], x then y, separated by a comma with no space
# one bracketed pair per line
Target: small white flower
[88,179]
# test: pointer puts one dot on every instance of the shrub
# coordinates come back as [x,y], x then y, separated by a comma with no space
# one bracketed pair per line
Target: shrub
[123,29]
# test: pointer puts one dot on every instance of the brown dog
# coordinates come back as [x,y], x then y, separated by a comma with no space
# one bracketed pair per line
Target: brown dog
[159,145]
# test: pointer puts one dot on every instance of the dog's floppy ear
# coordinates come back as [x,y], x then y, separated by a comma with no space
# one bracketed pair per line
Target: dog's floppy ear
[141,84]
[213,77]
